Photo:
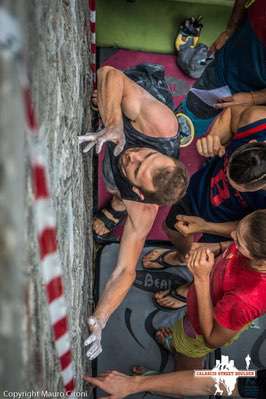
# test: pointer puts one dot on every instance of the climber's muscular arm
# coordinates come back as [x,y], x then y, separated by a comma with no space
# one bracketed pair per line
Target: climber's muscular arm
[117,95]
[138,224]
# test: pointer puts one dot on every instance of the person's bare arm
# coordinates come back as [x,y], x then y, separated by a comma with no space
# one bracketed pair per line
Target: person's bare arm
[234,21]
[200,263]
[176,384]
[193,224]
[249,98]
[215,247]
[138,224]
[118,95]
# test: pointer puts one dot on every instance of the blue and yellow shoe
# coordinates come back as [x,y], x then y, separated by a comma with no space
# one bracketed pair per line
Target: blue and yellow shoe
[186,129]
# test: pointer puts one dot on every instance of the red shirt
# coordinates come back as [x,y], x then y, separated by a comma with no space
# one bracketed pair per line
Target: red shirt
[238,292]
[257,18]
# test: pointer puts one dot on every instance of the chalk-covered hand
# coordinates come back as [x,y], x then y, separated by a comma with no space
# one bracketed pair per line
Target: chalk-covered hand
[115,134]
[94,339]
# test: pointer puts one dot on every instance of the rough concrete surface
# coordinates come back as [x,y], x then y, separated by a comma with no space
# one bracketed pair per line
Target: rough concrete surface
[56,37]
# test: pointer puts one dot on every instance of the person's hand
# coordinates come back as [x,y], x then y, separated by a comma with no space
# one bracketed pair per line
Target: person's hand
[94,339]
[210,146]
[236,99]
[220,41]
[200,262]
[116,384]
[190,224]
[115,134]
[213,247]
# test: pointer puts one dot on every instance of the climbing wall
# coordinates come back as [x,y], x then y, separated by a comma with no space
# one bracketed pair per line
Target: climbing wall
[56,36]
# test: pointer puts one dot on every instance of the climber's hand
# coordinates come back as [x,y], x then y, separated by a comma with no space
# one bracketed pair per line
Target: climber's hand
[114,134]
[94,339]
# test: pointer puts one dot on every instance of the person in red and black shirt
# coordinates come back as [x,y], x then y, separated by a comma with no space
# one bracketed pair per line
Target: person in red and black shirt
[230,186]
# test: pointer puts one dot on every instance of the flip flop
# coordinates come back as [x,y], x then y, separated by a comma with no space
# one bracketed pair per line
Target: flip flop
[109,224]
[174,295]
[161,261]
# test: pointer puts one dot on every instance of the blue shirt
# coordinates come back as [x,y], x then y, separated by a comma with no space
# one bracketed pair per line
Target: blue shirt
[211,195]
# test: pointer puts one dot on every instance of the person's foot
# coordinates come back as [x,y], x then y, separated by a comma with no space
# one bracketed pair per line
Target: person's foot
[161,258]
[166,300]
[164,337]
[113,214]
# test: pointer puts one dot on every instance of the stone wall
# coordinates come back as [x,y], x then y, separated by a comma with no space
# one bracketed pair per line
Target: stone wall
[57,53]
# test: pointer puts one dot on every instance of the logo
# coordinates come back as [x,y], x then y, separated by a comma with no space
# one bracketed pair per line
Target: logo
[225,374]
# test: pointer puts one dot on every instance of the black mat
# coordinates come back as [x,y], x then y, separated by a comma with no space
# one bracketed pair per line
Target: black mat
[251,342]
[128,337]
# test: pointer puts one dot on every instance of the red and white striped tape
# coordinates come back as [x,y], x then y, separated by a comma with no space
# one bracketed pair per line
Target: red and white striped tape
[45,221]
[92,16]
[51,268]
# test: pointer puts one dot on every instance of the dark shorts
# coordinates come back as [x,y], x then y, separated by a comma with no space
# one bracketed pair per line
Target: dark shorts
[184,207]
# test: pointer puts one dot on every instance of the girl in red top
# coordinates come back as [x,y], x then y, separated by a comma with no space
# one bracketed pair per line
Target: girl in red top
[227,293]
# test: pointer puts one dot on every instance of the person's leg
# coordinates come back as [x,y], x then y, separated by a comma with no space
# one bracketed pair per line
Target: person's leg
[182,243]
[227,122]
[182,362]
[251,115]
[233,118]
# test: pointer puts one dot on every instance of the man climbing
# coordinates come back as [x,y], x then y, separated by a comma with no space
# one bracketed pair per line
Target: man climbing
[230,186]
[145,175]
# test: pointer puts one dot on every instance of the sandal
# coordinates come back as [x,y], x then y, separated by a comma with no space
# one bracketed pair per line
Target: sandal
[166,342]
[161,261]
[93,103]
[174,295]
[108,223]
